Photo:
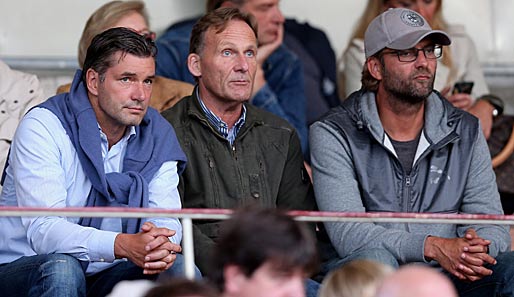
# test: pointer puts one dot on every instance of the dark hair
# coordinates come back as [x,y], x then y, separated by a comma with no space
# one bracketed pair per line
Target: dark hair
[218,20]
[104,46]
[369,83]
[182,288]
[253,237]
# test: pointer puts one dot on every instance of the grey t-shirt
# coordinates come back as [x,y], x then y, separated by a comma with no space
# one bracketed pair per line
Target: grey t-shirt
[406,151]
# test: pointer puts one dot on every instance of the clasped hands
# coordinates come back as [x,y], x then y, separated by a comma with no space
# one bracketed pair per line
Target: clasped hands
[463,257]
[149,249]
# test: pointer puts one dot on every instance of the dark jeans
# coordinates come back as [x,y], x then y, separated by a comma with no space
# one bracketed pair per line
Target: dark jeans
[43,275]
[62,275]
[178,270]
[101,284]
[378,255]
[500,283]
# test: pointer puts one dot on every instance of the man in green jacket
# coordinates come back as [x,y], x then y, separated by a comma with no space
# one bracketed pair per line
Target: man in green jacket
[238,154]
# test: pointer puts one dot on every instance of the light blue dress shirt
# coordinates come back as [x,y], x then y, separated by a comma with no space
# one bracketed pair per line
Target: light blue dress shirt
[45,171]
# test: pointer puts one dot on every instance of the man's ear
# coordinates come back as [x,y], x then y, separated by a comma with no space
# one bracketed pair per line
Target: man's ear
[193,63]
[234,279]
[375,67]
[92,81]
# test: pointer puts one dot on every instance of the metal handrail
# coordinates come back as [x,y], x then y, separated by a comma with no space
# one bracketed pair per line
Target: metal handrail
[188,215]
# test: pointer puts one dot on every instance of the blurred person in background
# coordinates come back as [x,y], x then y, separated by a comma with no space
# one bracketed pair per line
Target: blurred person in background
[177,287]
[263,252]
[133,15]
[183,288]
[359,278]
[416,281]
[19,91]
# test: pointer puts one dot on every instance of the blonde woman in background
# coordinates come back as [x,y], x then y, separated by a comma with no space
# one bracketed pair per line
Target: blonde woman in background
[133,15]
[459,61]
[359,278]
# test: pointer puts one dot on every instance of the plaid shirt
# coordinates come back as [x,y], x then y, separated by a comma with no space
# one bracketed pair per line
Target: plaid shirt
[220,125]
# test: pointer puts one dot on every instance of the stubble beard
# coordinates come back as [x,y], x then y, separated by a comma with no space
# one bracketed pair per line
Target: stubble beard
[407,91]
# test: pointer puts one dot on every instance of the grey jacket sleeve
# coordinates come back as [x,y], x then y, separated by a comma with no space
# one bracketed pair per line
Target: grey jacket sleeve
[337,189]
[481,197]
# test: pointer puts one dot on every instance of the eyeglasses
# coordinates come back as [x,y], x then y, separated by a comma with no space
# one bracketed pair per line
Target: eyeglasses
[410,55]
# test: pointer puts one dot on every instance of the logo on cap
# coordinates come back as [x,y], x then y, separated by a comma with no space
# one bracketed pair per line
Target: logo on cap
[412,19]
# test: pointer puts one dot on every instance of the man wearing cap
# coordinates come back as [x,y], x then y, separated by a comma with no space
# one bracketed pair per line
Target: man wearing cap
[396,145]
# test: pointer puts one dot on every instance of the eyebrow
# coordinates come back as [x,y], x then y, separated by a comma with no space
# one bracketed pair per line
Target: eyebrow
[132,74]
[230,44]
[128,74]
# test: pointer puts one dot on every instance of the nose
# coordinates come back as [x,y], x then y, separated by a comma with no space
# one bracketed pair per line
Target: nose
[278,17]
[141,91]
[421,60]
[241,63]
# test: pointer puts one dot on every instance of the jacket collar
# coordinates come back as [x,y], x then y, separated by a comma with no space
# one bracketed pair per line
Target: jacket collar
[441,117]
[195,110]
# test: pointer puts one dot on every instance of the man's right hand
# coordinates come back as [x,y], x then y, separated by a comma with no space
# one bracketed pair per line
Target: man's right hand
[149,249]
[161,251]
[477,252]
[462,257]
[265,50]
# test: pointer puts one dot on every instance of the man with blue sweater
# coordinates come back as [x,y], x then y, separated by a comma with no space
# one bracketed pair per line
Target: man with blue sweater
[398,146]
[98,145]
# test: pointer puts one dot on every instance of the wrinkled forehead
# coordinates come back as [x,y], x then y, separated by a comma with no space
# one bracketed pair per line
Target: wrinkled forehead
[235,28]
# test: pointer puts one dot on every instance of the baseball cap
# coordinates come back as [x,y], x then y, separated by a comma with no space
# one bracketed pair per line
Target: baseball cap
[399,28]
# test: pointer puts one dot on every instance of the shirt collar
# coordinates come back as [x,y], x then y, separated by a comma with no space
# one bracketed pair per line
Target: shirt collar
[219,124]
[128,133]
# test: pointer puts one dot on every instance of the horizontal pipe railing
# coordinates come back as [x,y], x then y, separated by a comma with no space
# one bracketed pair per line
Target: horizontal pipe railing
[189,214]
[311,216]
